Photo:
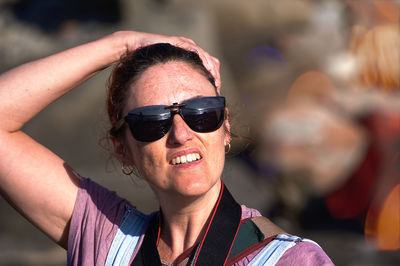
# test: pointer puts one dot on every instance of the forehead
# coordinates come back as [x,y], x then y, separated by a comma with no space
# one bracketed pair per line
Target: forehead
[168,83]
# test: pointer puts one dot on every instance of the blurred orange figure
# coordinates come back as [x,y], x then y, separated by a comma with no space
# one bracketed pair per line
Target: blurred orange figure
[377,53]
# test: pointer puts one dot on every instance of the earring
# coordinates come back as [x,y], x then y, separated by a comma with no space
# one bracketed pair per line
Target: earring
[127,170]
[229,148]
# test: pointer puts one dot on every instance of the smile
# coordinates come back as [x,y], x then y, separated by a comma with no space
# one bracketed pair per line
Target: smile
[188,158]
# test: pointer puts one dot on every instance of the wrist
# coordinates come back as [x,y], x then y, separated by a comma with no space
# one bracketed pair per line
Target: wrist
[117,45]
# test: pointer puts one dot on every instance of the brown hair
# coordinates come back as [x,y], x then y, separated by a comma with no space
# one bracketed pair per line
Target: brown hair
[129,69]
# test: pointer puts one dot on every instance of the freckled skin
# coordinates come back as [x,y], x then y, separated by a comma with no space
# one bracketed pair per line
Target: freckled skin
[166,84]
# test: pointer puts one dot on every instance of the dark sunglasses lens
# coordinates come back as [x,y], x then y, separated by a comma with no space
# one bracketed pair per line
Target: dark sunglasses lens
[204,114]
[148,131]
[208,121]
[149,123]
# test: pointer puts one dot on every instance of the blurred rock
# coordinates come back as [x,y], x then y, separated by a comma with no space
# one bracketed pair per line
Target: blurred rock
[307,141]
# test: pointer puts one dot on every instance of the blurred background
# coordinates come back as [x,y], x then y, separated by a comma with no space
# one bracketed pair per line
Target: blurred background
[313,83]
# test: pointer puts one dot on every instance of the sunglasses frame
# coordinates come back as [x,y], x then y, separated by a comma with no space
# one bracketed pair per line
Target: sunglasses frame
[176,108]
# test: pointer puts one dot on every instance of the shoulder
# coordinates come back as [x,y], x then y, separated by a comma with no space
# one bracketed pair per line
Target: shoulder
[274,246]
[249,212]
[95,220]
[93,196]
[305,252]
[96,203]
[286,250]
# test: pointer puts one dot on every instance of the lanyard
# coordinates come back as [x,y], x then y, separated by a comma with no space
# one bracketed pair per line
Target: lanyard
[216,243]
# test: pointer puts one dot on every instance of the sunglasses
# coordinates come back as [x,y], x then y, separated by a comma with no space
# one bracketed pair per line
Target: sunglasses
[151,123]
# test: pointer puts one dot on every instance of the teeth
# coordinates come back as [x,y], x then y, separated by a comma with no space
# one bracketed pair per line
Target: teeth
[186,158]
[183,159]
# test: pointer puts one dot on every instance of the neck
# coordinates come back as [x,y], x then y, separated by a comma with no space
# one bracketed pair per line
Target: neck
[184,221]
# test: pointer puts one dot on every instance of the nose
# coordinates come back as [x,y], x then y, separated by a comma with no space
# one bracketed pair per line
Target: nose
[180,132]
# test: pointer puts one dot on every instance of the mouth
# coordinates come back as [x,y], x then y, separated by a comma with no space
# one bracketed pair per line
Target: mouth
[184,159]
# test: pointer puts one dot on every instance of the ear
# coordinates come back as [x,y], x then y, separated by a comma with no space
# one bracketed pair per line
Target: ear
[227,128]
[121,152]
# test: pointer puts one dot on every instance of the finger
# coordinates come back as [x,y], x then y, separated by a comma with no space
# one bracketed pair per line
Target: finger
[217,73]
[212,64]
[184,39]
[208,63]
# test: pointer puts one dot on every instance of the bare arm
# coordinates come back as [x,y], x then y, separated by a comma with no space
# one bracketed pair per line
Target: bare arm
[33,179]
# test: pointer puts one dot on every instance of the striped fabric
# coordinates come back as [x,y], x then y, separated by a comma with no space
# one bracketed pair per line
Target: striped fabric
[127,237]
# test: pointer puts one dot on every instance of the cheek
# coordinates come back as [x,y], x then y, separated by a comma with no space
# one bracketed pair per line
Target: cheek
[147,157]
[216,148]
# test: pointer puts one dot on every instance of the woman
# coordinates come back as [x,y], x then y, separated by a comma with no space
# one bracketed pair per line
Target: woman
[169,122]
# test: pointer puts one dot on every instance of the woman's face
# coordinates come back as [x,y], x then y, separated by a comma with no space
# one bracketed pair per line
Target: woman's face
[165,84]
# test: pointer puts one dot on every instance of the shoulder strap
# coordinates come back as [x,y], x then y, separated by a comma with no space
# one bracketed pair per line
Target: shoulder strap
[267,227]
[132,226]
[253,234]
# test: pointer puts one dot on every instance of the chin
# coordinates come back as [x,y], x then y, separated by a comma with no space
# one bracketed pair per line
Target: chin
[193,189]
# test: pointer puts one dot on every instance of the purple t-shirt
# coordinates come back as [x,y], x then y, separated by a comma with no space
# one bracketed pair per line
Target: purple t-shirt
[97,215]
